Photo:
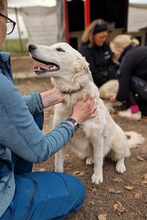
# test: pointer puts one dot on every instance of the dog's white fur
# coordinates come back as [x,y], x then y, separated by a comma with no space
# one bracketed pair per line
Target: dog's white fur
[109,89]
[96,137]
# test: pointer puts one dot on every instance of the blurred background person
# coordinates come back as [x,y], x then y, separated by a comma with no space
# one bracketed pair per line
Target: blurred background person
[95,48]
[132,92]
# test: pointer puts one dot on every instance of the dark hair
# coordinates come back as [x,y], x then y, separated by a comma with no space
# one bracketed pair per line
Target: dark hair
[97,26]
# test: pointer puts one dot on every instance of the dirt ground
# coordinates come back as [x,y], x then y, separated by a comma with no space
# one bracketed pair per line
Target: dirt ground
[119,197]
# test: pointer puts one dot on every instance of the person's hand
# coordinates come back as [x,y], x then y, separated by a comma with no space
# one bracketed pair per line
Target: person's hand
[84,110]
[51,97]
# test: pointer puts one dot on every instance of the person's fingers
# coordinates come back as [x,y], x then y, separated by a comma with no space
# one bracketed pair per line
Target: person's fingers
[62,97]
[92,103]
[94,109]
[90,100]
[93,115]
[91,106]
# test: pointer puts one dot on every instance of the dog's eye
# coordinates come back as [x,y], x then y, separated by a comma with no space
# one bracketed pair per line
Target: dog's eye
[60,49]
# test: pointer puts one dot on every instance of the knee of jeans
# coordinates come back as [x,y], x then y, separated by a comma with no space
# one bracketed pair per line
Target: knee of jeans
[76,189]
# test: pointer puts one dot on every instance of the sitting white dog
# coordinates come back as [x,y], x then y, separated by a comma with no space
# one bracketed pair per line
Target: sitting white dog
[96,137]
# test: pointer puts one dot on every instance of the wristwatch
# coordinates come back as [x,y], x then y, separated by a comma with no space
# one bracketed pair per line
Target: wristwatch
[74,122]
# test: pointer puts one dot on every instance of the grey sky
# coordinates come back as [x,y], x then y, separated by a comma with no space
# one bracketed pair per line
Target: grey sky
[139,1]
[22,3]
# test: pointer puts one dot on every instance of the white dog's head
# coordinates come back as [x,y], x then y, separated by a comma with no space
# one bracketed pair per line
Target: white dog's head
[61,62]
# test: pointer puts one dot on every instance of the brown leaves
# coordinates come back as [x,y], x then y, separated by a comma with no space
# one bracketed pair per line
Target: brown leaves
[119,208]
[145,176]
[118,180]
[102,217]
[78,173]
[140,158]
[138,195]
[144,179]
[113,191]
[129,188]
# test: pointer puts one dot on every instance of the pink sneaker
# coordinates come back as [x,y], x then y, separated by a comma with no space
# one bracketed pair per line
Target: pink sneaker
[128,114]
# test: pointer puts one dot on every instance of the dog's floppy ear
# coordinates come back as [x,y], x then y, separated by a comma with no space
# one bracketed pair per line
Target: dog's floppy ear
[81,72]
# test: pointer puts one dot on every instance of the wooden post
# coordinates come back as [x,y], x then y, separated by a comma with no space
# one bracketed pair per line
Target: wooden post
[18,29]
[66,22]
[87,13]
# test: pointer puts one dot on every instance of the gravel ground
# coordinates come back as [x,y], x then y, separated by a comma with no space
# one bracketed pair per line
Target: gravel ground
[119,197]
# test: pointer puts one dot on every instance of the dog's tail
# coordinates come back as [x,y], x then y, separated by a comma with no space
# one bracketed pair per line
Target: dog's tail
[134,139]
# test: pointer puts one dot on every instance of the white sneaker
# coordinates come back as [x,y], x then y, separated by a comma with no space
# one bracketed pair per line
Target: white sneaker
[128,114]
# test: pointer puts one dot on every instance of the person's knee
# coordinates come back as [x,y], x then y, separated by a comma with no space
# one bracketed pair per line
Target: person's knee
[76,190]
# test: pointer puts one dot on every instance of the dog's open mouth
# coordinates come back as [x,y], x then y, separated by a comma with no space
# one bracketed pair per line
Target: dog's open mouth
[41,67]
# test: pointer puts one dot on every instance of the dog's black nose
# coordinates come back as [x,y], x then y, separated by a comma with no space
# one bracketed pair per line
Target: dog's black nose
[31,47]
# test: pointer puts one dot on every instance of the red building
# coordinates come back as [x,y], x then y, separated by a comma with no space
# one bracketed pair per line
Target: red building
[79,13]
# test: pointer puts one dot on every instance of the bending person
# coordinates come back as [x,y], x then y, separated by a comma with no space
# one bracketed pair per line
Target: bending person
[132,77]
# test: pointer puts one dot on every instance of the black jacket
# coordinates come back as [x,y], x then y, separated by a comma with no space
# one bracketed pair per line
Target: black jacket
[133,63]
[100,60]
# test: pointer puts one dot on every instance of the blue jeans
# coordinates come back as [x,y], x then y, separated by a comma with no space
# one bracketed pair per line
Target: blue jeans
[43,195]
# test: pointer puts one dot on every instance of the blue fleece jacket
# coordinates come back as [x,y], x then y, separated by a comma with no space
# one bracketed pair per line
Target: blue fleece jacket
[20,134]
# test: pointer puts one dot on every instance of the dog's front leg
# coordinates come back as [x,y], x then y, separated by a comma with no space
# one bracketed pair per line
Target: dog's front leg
[97,176]
[59,161]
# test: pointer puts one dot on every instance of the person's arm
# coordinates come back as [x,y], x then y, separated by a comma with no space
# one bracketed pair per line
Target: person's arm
[36,102]
[19,132]
[126,70]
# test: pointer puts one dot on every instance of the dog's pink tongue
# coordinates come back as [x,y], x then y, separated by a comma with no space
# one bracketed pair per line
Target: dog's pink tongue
[38,67]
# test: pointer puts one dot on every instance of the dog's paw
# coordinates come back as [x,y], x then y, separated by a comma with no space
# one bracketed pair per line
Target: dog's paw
[120,166]
[89,161]
[59,169]
[97,179]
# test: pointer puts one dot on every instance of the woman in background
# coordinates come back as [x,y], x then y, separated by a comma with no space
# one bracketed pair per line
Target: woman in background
[132,92]
[95,48]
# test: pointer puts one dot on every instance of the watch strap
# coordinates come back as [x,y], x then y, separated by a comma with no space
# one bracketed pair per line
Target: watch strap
[74,122]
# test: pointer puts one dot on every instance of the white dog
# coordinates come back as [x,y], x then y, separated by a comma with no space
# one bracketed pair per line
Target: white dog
[96,137]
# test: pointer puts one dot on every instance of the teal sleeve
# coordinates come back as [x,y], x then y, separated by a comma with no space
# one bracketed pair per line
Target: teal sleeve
[34,102]
[19,132]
